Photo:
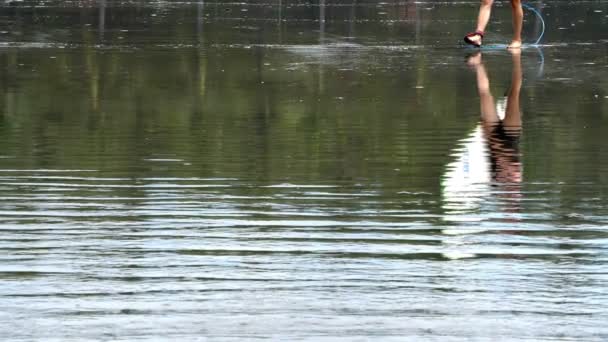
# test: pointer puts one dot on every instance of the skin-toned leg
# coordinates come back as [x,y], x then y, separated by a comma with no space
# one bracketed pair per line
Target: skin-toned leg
[484,14]
[485,10]
[486,99]
[518,19]
[512,120]
[509,171]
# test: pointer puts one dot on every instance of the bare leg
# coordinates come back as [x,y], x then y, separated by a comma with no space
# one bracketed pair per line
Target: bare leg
[484,14]
[489,117]
[509,170]
[512,120]
[485,10]
[518,18]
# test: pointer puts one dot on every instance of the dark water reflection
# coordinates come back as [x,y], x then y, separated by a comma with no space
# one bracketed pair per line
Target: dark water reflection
[285,170]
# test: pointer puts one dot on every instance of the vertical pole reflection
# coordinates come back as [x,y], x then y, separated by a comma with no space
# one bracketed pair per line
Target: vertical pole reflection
[280,21]
[321,21]
[321,42]
[485,179]
[12,62]
[201,56]
[102,19]
[353,19]
[418,21]
[200,11]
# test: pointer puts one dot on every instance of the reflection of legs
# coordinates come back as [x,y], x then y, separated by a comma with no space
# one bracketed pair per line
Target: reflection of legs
[486,100]
[502,140]
[518,18]
[507,158]
[513,114]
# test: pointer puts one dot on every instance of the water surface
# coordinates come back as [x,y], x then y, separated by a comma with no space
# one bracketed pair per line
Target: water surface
[290,170]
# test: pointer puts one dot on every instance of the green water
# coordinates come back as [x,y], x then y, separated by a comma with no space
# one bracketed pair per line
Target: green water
[293,170]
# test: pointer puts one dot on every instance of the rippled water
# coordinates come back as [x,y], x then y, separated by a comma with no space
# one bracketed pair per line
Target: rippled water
[291,171]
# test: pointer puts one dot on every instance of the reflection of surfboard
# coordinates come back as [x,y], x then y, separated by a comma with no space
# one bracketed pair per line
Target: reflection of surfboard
[467,179]
[465,186]
[466,183]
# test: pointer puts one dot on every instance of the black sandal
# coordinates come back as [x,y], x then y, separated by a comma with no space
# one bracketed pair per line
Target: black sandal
[467,38]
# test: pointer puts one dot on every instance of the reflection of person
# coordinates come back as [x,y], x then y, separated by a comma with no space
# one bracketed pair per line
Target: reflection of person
[501,129]
[489,157]
[475,38]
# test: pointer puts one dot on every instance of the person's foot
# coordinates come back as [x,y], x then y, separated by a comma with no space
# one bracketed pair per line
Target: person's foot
[474,38]
[515,45]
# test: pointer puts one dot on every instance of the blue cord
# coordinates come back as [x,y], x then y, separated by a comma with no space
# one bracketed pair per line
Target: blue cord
[540,16]
[541,68]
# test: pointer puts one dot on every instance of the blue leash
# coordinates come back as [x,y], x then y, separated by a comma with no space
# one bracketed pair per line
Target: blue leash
[541,68]
[540,17]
